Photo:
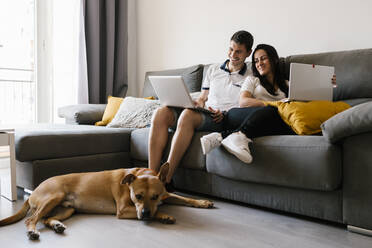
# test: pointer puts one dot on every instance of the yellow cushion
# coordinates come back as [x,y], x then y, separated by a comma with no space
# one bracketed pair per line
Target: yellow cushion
[306,117]
[113,104]
[150,98]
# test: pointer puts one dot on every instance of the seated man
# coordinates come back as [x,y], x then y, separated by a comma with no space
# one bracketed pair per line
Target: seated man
[220,92]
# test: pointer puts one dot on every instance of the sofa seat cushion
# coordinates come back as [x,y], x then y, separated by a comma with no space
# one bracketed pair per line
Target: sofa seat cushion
[307,162]
[48,141]
[193,158]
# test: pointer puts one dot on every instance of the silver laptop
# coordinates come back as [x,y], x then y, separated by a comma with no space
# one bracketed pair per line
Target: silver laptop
[172,91]
[310,82]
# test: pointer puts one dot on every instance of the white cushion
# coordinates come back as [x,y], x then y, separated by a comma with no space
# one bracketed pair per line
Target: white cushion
[134,113]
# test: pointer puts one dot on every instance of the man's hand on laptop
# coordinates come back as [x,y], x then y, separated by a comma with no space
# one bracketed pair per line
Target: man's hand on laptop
[199,103]
[217,115]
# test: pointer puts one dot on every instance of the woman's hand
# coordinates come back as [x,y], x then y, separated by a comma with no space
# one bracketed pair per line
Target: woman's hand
[334,84]
[217,115]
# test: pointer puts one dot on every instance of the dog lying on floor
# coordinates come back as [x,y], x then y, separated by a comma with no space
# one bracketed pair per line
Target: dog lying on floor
[128,193]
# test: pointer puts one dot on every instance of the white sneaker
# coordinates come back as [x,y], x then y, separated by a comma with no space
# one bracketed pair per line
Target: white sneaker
[237,144]
[210,141]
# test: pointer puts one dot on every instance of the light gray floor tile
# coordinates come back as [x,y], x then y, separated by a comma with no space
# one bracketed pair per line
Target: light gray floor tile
[228,225]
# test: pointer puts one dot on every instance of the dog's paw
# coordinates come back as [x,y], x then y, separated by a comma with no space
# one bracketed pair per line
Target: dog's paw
[33,235]
[166,219]
[59,228]
[204,204]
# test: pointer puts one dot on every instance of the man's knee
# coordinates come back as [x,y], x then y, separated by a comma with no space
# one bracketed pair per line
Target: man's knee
[163,116]
[189,118]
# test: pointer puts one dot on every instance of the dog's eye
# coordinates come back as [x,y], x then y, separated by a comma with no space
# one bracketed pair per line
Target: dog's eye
[154,197]
[139,197]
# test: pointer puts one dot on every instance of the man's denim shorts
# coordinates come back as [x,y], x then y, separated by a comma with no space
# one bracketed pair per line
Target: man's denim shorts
[207,123]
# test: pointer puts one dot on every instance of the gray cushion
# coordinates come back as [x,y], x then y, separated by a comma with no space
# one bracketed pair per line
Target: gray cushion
[352,68]
[192,76]
[82,113]
[139,144]
[193,158]
[43,141]
[357,101]
[307,162]
[352,121]
[31,174]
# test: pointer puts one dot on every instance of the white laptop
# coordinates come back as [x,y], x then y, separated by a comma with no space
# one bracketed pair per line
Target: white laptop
[172,91]
[310,82]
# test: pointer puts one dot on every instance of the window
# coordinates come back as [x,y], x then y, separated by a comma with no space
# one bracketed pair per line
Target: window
[17,62]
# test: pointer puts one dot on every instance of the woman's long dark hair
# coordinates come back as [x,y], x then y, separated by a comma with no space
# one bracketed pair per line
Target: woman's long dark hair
[279,78]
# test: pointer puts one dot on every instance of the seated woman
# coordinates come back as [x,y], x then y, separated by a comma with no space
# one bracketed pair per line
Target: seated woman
[254,119]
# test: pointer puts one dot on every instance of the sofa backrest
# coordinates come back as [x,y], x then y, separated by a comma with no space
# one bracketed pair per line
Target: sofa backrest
[353,71]
[192,76]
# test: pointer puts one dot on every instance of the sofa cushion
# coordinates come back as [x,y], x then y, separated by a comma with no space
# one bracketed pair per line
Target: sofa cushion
[48,141]
[306,117]
[307,162]
[353,121]
[357,101]
[82,113]
[352,68]
[113,105]
[192,76]
[134,112]
[193,158]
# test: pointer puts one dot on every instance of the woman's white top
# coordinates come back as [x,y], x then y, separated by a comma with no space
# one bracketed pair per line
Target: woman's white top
[253,86]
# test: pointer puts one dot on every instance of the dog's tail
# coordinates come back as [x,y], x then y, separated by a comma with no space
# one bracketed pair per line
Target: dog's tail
[18,216]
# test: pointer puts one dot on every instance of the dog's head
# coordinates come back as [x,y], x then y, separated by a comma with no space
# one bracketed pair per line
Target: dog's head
[146,191]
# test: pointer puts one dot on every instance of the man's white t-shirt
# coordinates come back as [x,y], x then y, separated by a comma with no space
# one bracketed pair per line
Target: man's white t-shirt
[253,86]
[224,86]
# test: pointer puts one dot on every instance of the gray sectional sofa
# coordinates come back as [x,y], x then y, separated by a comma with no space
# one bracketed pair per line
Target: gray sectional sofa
[326,176]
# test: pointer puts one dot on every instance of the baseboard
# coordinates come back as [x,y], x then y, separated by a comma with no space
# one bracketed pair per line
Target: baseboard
[359,230]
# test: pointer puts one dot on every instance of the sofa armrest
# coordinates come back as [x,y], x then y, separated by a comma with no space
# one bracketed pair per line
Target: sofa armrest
[82,113]
[350,122]
[357,183]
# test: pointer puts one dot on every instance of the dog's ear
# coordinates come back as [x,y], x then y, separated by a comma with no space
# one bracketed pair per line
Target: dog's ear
[128,179]
[163,172]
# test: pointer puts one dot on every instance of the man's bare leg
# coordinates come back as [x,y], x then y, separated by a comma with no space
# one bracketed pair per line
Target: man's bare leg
[187,123]
[162,119]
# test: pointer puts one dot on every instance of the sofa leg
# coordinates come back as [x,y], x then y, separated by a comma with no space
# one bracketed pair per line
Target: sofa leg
[27,191]
[359,230]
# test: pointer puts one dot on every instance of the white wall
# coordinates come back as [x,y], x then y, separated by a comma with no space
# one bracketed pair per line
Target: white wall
[178,33]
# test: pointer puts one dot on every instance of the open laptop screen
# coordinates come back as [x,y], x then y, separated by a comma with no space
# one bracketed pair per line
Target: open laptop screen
[310,82]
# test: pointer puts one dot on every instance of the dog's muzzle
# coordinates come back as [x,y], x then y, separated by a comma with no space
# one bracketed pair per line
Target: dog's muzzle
[146,214]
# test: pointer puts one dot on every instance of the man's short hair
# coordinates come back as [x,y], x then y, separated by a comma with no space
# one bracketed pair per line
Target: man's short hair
[243,37]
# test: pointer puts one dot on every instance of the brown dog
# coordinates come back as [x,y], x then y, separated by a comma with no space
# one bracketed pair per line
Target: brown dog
[128,193]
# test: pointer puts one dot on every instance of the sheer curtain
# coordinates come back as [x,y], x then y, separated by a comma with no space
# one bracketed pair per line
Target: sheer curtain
[90,50]
[66,54]
[82,76]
